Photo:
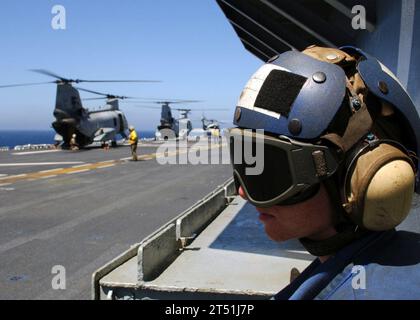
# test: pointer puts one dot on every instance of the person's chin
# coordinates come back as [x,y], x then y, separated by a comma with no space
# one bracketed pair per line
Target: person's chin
[275,234]
[265,217]
[277,237]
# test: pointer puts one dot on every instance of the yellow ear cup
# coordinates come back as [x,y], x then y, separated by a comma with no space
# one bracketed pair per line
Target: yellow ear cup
[389,196]
[381,188]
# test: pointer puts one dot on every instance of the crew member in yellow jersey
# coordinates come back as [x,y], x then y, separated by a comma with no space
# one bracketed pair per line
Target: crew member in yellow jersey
[133,141]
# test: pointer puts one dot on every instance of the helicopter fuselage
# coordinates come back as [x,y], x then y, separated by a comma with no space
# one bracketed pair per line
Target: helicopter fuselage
[89,126]
[171,128]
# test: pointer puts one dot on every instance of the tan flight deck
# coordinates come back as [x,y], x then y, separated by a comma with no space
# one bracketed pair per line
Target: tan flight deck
[231,258]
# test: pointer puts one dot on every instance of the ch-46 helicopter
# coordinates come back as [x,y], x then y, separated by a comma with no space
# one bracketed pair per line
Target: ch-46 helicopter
[170,127]
[71,117]
[210,123]
[208,127]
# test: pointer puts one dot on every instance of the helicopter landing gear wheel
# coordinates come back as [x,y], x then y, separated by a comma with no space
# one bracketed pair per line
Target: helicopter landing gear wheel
[167,134]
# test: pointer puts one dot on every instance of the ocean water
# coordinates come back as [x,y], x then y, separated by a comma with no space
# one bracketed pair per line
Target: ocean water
[12,138]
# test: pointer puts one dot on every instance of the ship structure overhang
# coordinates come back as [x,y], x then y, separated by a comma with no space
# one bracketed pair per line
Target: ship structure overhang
[270,27]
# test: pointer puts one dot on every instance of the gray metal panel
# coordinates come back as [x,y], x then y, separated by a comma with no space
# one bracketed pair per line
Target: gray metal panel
[283,24]
[157,253]
[383,42]
[296,23]
[414,68]
[109,267]
[231,259]
[159,249]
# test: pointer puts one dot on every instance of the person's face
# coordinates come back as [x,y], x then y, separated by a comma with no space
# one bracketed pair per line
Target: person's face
[309,219]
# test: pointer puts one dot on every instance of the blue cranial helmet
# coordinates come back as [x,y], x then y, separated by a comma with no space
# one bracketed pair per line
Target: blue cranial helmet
[301,94]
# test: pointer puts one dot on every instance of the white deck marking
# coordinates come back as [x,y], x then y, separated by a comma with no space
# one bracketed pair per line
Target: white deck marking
[47,177]
[33,152]
[20,175]
[37,164]
[7,189]
[5,184]
[51,170]
[106,166]
[84,167]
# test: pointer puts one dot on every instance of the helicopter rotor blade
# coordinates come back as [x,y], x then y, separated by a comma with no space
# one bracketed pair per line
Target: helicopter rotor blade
[116,81]
[25,84]
[146,107]
[50,74]
[177,101]
[178,109]
[65,80]
[216,110]
[91,91]
[161,101]
[105,95]
[123,99]
[182,109]
[91,99]
[139,100]
[201,109]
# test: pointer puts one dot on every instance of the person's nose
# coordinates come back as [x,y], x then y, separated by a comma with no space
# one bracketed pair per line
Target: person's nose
[242,193]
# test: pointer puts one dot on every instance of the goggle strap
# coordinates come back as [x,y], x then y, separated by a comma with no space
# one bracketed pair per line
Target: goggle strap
[360,124]
[320,162]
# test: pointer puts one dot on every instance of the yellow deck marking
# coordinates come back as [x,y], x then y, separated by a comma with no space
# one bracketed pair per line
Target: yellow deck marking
[20,175]
[107,166]
[48,177]
[88,166]
[51,170]
[81,165]
[78,171]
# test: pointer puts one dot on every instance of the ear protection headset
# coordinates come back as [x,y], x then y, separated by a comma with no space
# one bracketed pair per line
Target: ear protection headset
[378,184]
[379,176]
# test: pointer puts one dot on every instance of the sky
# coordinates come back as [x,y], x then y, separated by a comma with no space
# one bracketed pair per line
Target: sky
[187,44]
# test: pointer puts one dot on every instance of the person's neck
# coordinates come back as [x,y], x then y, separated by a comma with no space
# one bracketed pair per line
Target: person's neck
[325,234]
[323,258]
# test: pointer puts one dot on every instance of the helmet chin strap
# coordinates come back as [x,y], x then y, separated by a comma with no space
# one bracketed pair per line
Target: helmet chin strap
[347,230]
[331,245]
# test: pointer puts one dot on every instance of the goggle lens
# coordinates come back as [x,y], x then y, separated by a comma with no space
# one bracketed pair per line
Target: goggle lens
[275,178]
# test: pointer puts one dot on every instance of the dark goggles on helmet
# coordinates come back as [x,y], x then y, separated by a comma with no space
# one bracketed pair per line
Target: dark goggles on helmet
[291,170]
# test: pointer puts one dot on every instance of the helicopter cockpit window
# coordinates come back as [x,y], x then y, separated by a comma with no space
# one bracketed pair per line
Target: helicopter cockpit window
[73,101]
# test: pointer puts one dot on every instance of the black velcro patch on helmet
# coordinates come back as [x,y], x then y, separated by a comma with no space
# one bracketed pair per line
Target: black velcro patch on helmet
[279,91]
